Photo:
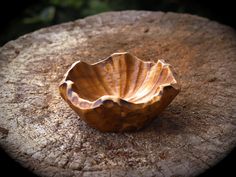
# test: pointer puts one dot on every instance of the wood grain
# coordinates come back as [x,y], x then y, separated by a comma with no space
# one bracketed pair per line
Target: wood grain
[114,95]
[196,131]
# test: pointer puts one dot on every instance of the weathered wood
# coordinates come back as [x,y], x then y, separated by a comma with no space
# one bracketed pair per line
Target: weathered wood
[196,131]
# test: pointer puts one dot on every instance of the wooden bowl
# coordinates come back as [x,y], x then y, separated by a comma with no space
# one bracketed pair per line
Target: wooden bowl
[119,93]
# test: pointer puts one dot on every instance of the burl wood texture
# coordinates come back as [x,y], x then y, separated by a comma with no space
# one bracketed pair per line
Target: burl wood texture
[120,93]
[196,131]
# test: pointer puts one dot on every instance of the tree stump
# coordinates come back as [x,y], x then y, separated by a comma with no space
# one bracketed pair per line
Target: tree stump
[198,129]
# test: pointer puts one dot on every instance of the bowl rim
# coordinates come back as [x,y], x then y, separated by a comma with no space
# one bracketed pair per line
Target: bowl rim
[65,87]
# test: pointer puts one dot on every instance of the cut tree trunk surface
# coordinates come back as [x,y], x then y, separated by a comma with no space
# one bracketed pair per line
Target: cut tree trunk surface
[197,130]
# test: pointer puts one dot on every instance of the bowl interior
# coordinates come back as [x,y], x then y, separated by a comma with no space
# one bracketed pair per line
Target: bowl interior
[123,76]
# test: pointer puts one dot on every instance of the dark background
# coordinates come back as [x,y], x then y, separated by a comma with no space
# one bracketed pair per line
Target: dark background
[18,17]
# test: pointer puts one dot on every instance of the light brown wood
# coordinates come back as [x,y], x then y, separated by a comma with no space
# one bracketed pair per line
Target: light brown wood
[198,128]
[120,93]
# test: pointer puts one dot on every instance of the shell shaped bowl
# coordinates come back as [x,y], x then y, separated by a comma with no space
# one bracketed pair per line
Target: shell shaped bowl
[120,93]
